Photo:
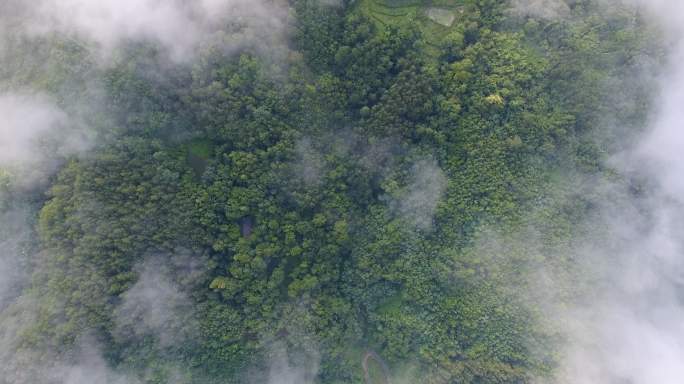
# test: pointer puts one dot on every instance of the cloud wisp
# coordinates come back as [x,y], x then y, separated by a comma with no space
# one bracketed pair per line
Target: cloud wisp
[419,200]
[35,137]
[154,306]
[628,327]
[542,9]
[13,233]
[91,369]
[26,121]
[282,372]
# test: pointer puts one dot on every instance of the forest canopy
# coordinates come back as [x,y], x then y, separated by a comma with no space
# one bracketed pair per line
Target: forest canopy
[302,181]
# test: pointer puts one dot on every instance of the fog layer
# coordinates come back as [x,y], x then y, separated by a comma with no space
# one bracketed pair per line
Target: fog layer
[178,25]
[632,331]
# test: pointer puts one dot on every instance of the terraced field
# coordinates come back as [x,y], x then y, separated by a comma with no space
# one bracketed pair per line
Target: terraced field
[388,11]
[437,16]
[399,3]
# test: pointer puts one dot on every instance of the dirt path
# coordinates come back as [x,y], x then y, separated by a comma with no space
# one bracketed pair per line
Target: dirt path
[377,358]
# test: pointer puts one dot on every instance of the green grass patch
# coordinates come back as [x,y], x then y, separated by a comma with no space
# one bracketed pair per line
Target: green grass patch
[375,372]
[391,307]
[197,153]
[203,148]
[384,19]
[392,11]
[365,6]
[432,52]
[557,177]
[379,24]
[464,9]
[434,33]
[407,372]
[353,358]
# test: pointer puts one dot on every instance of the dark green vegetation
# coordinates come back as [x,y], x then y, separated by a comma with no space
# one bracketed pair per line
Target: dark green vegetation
[412,185]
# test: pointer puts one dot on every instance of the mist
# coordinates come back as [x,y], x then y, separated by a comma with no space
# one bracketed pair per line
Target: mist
[177,25]
[91,369]
[543,9]
[34,135]
[281,370]
[629,330]
[10,254]
[33,127]
[26,120]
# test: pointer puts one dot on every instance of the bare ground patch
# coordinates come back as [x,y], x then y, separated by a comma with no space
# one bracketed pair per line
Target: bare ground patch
[441,16]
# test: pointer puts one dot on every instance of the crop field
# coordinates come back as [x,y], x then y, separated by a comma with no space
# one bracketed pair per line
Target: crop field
[446,3]
[384,12]
[395,12]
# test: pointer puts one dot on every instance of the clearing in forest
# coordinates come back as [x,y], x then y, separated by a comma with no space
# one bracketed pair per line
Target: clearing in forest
[370,368]
[436,16]
[441,16]
[198,152]
[202,148]
[197,163]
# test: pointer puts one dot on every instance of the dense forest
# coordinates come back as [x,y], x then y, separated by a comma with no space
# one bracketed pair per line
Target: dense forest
[417,179]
